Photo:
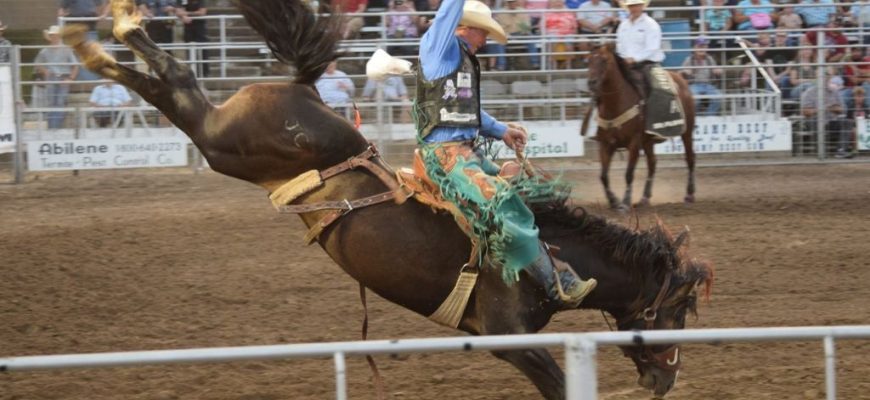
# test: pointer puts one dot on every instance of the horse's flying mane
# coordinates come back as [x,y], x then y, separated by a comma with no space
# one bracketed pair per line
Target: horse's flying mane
[648,252]
[295,34]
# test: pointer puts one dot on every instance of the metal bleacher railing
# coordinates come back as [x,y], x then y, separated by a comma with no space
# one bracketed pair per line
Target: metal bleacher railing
[747,86]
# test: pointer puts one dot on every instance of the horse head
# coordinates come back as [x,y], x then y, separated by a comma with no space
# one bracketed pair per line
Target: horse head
[665,304]
[601,61]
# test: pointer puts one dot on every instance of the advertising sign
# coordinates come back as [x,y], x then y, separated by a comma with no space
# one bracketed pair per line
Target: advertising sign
[547,141]
[7,111]
[725,135]
[106,154]
[863,133]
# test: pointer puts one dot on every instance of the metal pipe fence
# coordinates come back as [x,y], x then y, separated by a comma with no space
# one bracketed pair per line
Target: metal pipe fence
[580,351]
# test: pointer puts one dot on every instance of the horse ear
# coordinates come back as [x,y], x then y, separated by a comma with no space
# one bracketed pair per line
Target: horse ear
[682,238]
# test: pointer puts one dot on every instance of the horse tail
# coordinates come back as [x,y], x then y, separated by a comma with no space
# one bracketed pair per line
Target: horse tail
[295,34]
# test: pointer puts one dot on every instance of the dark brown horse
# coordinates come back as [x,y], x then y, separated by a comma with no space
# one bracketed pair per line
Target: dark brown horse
[269,134]
[614,97]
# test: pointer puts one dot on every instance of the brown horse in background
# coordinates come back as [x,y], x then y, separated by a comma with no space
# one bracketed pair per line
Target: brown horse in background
[613,95]
[270,134]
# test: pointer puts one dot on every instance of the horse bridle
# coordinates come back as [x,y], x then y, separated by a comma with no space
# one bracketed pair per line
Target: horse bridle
[668,359]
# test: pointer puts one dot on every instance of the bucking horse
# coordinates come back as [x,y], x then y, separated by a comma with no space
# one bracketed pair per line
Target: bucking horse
[277,134]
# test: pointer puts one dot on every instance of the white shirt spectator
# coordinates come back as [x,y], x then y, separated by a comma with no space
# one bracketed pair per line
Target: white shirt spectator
[335,88]
[640,39]
[110,95]
[595,13]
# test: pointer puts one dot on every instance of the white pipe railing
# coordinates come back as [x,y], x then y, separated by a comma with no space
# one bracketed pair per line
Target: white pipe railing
[580,351]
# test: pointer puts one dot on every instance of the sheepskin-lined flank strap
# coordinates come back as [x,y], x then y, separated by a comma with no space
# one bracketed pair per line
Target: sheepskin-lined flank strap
[312,180]
[300,185]
[617,122]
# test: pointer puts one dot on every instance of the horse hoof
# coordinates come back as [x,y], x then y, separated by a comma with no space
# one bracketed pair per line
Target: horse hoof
[690,198]
[644,202]
[624,208]
[127,18]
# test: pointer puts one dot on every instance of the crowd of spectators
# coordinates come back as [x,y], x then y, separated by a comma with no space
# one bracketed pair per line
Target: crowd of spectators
[773,29]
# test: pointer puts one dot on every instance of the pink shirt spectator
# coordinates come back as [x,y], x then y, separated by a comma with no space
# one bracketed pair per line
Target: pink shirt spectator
[561,23]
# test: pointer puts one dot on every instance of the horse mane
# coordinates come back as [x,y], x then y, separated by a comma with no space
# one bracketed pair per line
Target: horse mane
[645,253]
[295,34]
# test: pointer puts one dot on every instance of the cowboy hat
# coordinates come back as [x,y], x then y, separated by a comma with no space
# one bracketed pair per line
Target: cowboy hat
[626,3]
[475,14]
[2,26]
[52,30]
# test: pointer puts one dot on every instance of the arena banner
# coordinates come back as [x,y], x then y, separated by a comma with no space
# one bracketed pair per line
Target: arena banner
[734,135]
[863,129]
[106,154]
[7,111]
[547,141]
[546,138]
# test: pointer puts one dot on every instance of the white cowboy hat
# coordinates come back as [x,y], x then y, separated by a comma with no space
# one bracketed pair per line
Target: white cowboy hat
[475,14]
[626,3]
[52,30]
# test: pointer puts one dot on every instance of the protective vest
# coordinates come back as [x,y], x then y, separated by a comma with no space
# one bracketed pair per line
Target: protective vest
[452,100]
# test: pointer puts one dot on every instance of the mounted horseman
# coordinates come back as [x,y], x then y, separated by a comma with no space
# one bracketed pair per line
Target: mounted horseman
[449,118]
[639,43]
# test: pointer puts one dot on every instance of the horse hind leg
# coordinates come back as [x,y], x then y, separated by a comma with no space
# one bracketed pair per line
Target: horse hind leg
[95,58]
[605,155]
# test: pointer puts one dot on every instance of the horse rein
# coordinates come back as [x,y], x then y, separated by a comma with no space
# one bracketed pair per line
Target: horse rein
[669,359]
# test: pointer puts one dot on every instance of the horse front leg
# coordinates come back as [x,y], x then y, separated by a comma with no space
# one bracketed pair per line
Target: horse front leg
[690,162]
[540,367]
[605,155]
[651,161]
[633,155]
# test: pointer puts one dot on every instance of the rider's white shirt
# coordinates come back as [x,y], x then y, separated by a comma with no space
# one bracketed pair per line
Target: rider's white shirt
[640,40]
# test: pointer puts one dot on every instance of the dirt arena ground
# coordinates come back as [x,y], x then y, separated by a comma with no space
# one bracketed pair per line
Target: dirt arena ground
[136,260]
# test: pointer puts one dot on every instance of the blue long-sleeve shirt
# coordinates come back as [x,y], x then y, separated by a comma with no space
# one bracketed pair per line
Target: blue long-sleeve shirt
[440,55]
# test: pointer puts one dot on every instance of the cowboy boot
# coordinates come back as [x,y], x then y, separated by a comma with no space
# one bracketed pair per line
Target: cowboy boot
[559,279]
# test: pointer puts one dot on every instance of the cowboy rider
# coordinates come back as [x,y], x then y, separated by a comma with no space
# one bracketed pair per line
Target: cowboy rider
[639,43]
[449,117]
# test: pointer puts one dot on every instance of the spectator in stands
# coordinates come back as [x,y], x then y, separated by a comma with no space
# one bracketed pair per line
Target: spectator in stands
[702,77]
[596,16]
[834,40]
[518,24]
[109,94]
[335,88]
[560,23]
[754,14]
[765,56]
[856,75]
[718,20]
[789,21]
[352,22]
[802,75]
[838,129]
[393,90]
[59,67]
[160,31]
[5,45]
[861,16]
[816,16]
[195,30]
[84,9]
[534,6]
[403,26]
